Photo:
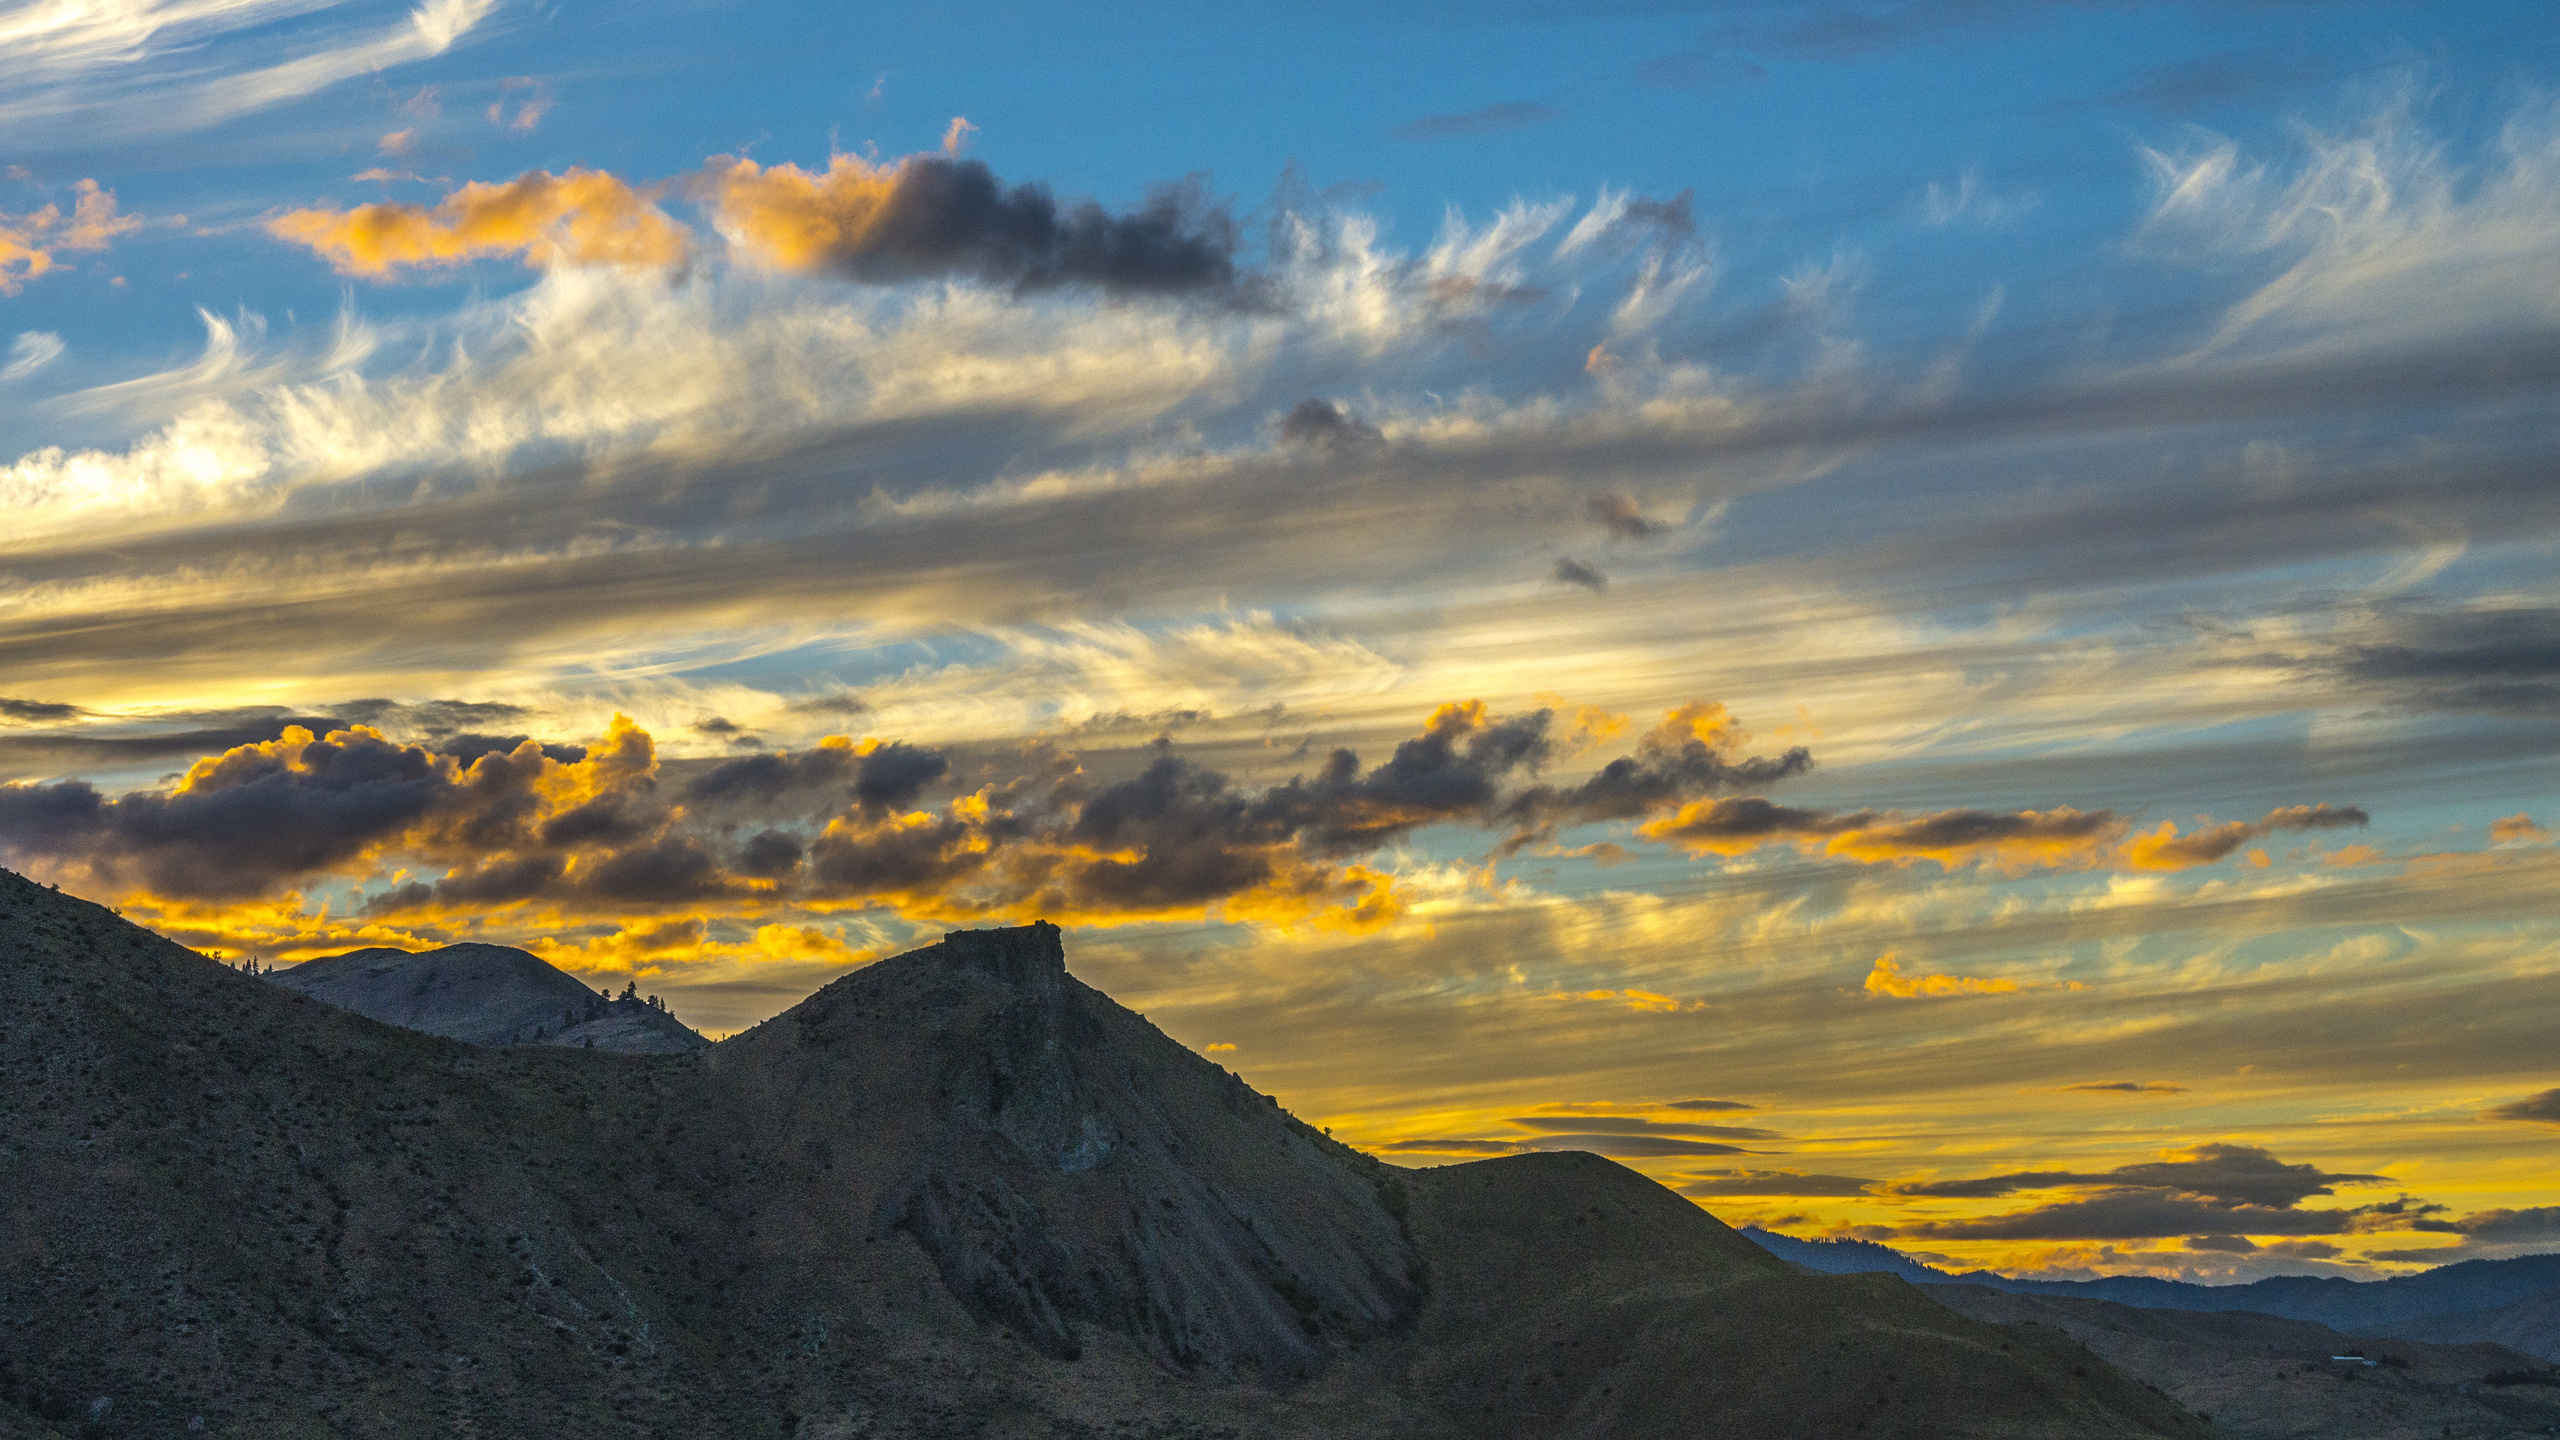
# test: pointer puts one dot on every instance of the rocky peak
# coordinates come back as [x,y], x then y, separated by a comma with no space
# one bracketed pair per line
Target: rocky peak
[1031,956]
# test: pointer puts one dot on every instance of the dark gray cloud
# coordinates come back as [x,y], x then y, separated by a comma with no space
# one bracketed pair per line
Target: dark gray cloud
[883,778]
[843,705]
[770,855]
[253,823]
[114,746]
[893,775]
[2543,1108]
[1670,767]
[2225,1174]
[2130,1087]
[1570,571]
[1747,1184]
[774,774]
[1324,425]
[947,217]
[1486,120]
[1634,1125]
[37,712]
[1631,1147]
[2217,1190]
[2538,1224]
[2503,660]
[1709,1105]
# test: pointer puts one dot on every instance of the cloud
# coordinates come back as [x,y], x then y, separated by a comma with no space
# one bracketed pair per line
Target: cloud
[2534,1225]
[2214,1192]
[1718,1105]
[2489,659]
[1323,425]
[1887,978]
[1690,752]
[1637,1125]
[36,712]
[30,352]
[1487,120]
[1622,518]
[1570,571]
[2507,829]
[1743,1184]
[534,102]
[2222,1173]
[83,69]
[2543,1108]
[1951,838]
[2166,849]
[593,824]
[2375,232]
[933,217]
[2130,1087]
[582,217]
[28,243]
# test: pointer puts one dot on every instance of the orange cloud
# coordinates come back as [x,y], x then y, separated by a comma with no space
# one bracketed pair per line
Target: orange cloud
[583,217]
[2518,826]
[28,242]
[1888,978]
[794,219]
[2166,849]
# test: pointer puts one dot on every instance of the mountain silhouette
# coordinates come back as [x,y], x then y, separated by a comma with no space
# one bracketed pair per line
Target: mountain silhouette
[954,1193]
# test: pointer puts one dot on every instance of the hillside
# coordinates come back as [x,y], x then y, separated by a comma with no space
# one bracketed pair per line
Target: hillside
[486,995]
[2265,1378]
[2531,1325]
[2431,1305]
[956,1193]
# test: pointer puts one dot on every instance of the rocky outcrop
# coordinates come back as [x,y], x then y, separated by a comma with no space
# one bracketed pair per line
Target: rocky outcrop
[1070,1168]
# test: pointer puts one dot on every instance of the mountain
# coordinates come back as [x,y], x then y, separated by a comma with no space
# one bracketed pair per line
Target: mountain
[1844,1257]
[487,995]
[2521,1289]
[2265,1378]
[2531,1325]
[954,1194]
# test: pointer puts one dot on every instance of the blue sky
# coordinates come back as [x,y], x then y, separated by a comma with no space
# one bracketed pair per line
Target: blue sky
[1970,577]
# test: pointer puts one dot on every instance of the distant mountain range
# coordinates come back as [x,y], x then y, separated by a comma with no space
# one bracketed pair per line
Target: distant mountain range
[2512,1302]
[488,995]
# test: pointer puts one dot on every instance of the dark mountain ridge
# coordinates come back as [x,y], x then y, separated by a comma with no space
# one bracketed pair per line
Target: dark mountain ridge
[487,995]
[2427,1303]
[956,1193]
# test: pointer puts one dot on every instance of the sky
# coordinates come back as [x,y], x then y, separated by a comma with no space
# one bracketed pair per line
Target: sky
[1929,620]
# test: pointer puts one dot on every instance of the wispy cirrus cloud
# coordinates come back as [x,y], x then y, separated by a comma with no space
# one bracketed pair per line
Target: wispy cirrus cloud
[203,62]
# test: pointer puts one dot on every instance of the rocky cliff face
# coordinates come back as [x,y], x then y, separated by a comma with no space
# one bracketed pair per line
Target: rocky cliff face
[1069,1168]
[486,995]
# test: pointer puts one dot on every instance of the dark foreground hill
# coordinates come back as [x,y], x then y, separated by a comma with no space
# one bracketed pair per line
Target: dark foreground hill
[954,1194]
[2513,1302]
[487,995]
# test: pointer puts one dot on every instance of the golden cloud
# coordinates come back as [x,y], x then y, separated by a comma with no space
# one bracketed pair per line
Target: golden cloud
[28,242]
[582,217]
[1889,978]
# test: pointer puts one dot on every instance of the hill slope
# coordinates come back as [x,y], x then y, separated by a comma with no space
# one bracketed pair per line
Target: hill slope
[2423,1306]
[486,995]
[954,1194]
[2266,1378]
